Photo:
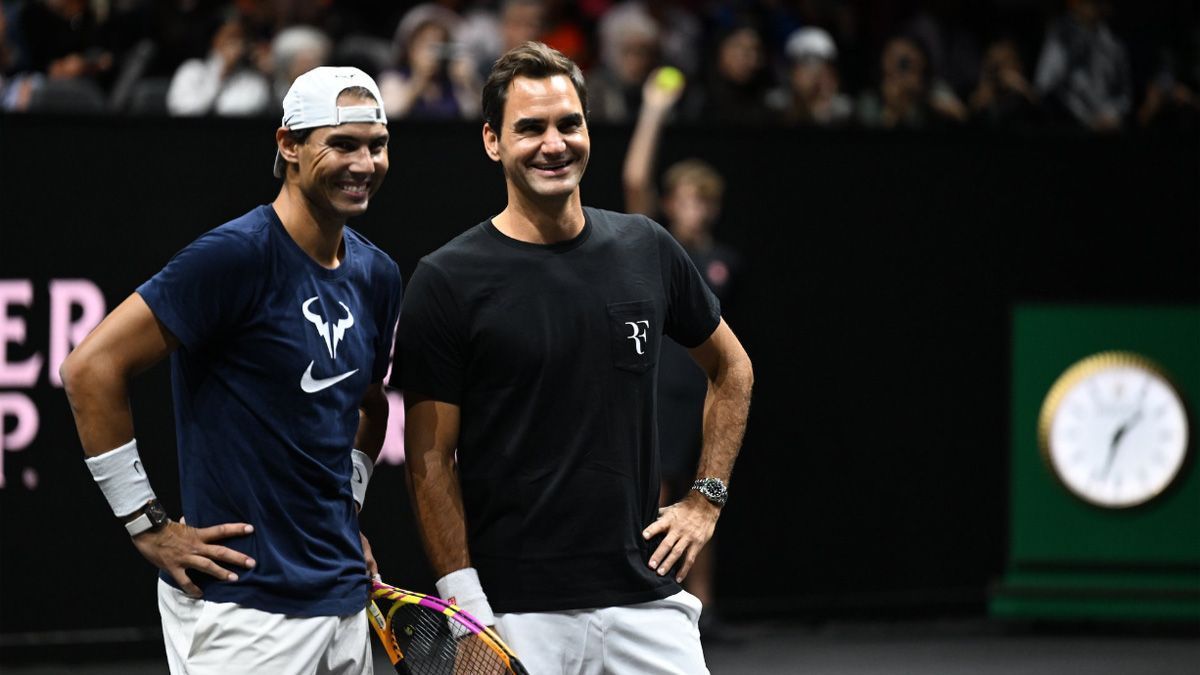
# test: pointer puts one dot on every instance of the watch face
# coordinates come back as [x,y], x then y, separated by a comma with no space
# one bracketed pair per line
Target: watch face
[157,514]
[1114,430]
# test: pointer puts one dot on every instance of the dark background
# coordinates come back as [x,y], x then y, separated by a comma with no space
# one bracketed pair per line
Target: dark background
[881,273]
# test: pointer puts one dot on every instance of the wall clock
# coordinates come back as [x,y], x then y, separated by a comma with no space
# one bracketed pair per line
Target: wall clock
[1114,430]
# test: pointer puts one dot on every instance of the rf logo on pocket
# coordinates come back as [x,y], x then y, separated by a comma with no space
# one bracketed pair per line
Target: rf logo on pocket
[639,334]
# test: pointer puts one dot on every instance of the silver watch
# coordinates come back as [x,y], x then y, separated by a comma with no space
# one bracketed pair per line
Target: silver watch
[713,489]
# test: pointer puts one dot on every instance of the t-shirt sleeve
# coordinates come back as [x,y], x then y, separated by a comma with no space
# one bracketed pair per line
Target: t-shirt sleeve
[391,290]
[204,289]
[693,311]
[430,344]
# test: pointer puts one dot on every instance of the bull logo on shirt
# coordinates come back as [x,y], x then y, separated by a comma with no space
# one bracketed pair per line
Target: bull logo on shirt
[639,329]
[332,338]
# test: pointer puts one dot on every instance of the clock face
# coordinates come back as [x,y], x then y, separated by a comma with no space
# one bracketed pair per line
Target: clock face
[1114,430]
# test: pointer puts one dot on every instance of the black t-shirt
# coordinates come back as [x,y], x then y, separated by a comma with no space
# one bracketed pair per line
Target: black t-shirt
[551,353]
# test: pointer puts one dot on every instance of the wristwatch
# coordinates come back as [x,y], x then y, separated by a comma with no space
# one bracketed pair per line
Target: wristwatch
[151,517]
[713,489]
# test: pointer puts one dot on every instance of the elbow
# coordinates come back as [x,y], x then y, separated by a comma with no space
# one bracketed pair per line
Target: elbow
[85,373]
[735,374]
[748,373]
[71,371]
[740,368]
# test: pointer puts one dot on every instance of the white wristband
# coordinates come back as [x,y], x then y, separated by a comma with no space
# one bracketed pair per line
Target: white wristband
[462,588]
[360,475]
[121,478]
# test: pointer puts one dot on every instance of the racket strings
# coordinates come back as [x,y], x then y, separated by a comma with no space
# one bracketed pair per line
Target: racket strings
[434,644]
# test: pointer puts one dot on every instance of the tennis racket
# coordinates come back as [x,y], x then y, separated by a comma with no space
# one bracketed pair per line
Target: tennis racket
[424,635]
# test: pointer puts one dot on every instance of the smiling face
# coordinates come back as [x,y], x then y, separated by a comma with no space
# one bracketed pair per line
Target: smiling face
[543,144]
[340,167]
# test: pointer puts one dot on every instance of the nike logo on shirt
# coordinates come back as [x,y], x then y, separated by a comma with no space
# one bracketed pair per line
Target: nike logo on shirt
[312,385]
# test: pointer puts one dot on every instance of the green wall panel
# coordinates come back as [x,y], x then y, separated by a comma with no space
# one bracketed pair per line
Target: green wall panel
[1069,558]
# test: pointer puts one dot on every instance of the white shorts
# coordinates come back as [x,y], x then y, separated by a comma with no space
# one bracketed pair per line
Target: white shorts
[651,638]
[223,638]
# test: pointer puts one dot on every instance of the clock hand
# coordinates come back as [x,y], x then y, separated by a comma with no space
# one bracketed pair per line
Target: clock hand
[1124,428]
[1116,439]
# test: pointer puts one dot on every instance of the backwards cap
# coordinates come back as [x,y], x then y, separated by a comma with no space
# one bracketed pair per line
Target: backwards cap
[312,102]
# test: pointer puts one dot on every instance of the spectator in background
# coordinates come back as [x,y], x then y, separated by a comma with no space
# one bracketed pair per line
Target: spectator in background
[944,30]
[1083,71]
[487,35]
[65,39]
[813,94]
[680,34]
[629,50]
[521,21]
[435,77]
[906,97]
[16,83]
[736,91]
[689,208]
[61,40]
[1003,96]
[1170,102]
[295,51]
[562,30]
[227,82]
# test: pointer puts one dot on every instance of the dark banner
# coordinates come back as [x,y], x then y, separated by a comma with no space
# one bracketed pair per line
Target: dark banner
[880,275]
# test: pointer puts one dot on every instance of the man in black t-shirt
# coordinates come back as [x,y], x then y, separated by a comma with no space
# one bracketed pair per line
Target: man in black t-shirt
[529,345]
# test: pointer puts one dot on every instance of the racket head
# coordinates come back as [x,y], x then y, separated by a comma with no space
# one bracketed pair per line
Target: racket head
[424,635]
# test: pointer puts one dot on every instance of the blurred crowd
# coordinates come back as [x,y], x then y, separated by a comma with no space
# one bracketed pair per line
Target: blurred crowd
[1089,64]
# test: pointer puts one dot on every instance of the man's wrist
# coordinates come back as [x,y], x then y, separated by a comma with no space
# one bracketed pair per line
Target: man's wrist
[462,588]
[122,478]
[713,489]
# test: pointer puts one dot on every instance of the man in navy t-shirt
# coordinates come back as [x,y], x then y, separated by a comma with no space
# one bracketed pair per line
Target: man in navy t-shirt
[279,325]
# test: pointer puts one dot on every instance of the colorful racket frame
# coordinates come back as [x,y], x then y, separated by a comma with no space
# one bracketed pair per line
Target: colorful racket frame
[399,597]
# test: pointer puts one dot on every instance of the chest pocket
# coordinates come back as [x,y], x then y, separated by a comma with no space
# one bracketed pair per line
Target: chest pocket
[634,335]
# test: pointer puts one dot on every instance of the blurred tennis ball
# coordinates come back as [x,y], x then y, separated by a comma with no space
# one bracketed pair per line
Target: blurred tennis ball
[669,79]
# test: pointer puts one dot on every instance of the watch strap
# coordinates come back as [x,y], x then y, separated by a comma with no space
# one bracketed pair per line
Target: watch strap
[139,525]
[152,516]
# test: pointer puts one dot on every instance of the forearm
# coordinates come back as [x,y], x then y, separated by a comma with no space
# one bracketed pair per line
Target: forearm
[99,399]
[726,407]
[430,438]
[438,506]
[637,174]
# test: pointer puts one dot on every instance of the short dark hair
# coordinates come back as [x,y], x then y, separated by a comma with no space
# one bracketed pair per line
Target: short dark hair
[534,60]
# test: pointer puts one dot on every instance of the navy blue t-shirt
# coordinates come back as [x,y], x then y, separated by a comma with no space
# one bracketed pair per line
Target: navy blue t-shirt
[276,354]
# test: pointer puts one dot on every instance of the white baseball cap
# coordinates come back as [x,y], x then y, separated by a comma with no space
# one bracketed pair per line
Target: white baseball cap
[810,43]
[312,102]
